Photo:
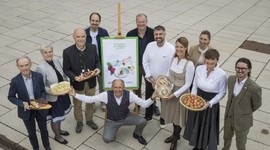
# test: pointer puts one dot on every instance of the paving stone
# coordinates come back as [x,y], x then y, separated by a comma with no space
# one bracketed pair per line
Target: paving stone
[41,25]
[35,15]
[51,35]
[5,40]
[22,32]
[66,28]
[263,79]
[8,54]
[11,133]
[25,46]
[4,97]
[260,57]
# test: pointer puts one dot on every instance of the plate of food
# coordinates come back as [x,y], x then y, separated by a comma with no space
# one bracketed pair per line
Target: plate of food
[192,102]
[121,72]
[60,88]
[86,75]
[163,87]
[39,105]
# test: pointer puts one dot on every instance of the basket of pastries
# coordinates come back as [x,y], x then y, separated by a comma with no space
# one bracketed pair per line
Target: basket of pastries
[39,104]
[60,88]
[163,87]
[192,102]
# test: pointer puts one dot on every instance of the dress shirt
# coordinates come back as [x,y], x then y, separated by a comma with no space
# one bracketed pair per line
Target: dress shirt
[216,82]
[238,86]
[29,86]
[94,39]
[103,97]
[156,60]
[179,68]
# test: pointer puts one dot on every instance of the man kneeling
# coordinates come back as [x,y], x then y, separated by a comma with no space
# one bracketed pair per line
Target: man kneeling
[117,102]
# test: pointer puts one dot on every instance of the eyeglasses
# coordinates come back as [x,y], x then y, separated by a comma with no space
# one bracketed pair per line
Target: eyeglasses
[241,68]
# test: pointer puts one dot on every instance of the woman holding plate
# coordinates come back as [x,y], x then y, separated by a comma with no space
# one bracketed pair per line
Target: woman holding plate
[52,72]
[181,74]
[210,82]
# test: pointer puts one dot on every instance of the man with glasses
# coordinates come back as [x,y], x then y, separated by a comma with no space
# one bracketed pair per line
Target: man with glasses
[244,98]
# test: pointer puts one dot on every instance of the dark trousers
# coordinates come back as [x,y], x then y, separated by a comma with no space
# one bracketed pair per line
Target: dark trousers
[148,93]
[31,129]
[141,75]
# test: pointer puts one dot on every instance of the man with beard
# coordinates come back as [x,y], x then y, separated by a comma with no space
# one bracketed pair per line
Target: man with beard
[244,98]
[93,35]
[145,36]
[156,61]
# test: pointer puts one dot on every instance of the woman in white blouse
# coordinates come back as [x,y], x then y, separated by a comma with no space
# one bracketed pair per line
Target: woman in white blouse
[210,82]
[181,74]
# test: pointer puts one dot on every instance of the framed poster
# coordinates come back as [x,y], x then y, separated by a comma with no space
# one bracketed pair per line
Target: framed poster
[119,58]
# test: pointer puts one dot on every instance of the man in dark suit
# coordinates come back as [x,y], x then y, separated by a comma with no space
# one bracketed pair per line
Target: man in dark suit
[93,35]
[145,35]
[28,85]
[244,98]
[77,59]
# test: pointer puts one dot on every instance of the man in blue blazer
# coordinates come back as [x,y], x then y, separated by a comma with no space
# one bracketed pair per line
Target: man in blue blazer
[28,85]
[93,35]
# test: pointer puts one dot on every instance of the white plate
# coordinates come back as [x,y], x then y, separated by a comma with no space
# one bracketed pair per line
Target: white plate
[121,72]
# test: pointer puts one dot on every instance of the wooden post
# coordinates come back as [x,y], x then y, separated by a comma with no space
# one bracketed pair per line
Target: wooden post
[119,33]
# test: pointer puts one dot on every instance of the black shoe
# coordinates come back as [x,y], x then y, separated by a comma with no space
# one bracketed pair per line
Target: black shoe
[156,110]
[61,142]
[48,148]
[148,118]
[140,139]
[169,139]
[79,127]
[64,133]
[195,148]
[162,123]
[92,124]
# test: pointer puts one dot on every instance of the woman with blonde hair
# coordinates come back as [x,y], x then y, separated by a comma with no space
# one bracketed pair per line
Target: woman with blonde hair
[181,74]
[52,72]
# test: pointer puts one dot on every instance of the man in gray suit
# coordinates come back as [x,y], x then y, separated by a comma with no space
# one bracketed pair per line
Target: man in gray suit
[244,98]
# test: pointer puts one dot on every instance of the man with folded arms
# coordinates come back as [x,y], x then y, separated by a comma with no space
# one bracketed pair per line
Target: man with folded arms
[117,102]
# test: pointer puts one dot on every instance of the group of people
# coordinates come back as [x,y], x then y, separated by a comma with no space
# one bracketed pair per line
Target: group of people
[195,70]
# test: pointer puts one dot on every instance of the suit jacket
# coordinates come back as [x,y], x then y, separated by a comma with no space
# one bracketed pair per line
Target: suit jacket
[50,77]
[72,67]
[247,101]
[18,93]
[101,33]
[195,54]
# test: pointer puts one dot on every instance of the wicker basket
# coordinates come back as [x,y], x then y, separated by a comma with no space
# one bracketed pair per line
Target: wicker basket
[184,96]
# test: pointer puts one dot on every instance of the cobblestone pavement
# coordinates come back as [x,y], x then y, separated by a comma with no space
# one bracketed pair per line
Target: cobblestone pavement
[25,24]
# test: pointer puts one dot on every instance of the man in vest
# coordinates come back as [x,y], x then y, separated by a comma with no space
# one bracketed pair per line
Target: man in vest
[244,98]
[117,102]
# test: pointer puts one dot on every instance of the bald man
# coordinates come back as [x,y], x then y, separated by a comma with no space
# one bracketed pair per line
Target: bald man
[117,101]
[77,59]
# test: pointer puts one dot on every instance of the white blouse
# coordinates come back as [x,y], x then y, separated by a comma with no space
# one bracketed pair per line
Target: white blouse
[103,97]
[216,82]
[179,68]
